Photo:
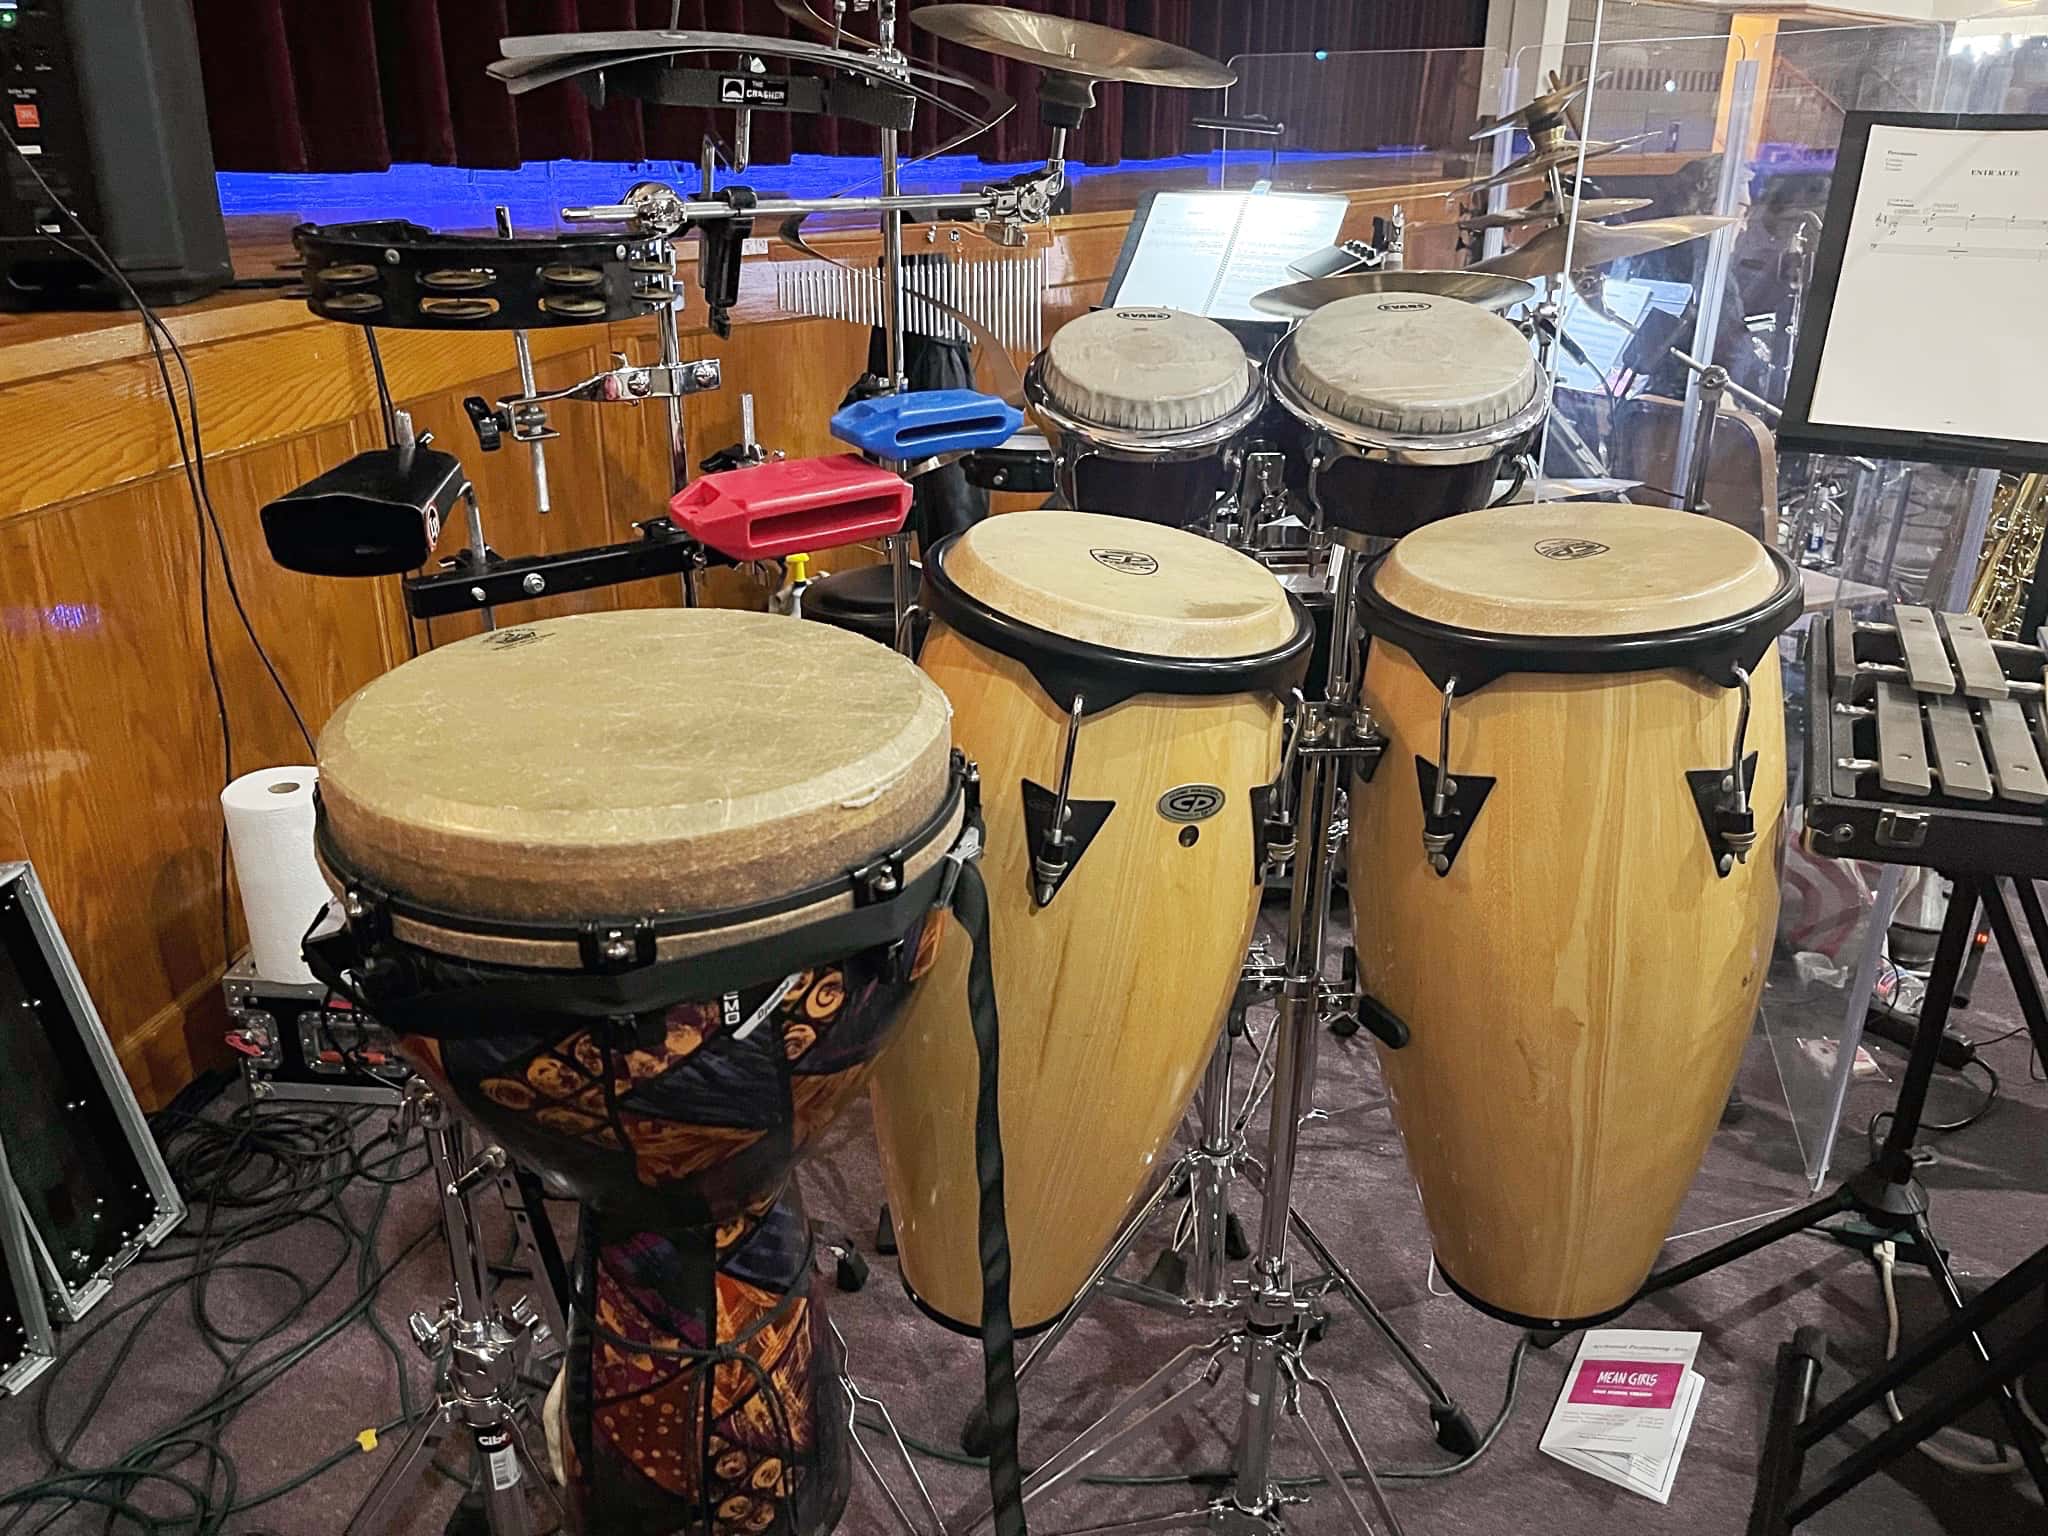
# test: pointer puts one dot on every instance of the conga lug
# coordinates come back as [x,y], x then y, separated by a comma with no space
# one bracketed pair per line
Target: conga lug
[1084,819]
[1727,845]
[1461,811]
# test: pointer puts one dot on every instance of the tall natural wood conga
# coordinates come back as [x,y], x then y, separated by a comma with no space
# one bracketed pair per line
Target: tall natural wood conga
[645,894]
[1573,934]
[1153,661]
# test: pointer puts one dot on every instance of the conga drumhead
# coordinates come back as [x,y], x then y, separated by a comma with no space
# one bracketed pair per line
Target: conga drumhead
[661,761]
[1145,370]
[1121,584]
[1580,570]
[1410,365]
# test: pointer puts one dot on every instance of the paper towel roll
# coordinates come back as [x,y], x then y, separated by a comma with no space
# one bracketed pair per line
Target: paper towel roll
[270,828]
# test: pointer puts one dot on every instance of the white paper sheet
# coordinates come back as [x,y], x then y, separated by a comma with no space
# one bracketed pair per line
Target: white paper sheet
[1208,253]
[1940,319]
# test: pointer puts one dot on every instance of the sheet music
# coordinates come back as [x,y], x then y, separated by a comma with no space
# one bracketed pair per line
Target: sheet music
[1209,252]
[1940,319]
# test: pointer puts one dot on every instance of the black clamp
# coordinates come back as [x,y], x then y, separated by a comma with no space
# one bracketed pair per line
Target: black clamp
[718,262]
[491,423]
[878,881]
[609,948]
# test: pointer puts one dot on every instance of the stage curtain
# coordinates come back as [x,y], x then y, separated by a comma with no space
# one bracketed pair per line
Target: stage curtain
[354,85]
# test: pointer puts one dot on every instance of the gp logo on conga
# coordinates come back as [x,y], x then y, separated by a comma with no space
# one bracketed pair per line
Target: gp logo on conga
[1130,562]
[1569,549]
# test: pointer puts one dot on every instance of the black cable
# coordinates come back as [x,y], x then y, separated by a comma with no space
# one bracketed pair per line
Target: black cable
[247,1176]
[194,457]
[385,404]
[1950,1127]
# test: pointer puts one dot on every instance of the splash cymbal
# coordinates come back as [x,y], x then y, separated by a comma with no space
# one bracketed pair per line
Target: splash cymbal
[1486,290]
[1545,210]
[1598,244]
[1538,112]
[1540,162]
[1073,47]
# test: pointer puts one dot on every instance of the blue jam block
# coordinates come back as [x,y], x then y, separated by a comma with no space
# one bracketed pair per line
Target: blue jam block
[925,422]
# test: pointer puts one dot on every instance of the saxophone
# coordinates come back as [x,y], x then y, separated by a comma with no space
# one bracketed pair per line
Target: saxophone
[2012,546]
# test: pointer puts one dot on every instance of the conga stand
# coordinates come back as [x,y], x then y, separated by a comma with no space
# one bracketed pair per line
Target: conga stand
[479,1355]
[1274,1315]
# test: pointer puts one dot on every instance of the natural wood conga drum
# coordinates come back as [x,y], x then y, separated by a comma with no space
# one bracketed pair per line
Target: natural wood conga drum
[1153,662]
[645,894]
[1576,934]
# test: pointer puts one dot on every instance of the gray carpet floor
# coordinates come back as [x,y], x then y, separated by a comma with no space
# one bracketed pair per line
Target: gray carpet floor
[1990,1185]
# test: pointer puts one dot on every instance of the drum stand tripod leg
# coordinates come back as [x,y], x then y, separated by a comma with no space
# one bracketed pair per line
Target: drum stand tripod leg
[1454,1430]
[857,1399]
[974,1435]
[479,1352]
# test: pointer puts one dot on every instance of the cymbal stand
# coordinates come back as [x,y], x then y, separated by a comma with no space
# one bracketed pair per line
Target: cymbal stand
[1274,1315]
[894,299]
[479,1354]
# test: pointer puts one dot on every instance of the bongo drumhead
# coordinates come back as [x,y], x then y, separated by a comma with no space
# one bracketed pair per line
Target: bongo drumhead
[661,761]
[1581,570]
[1411,364]
[1146,370]
[1123,584]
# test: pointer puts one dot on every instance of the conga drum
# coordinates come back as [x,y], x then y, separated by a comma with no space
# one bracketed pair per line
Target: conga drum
[645,893]
[1146,410]
[1414,405]
[1132,674]
[1577,928]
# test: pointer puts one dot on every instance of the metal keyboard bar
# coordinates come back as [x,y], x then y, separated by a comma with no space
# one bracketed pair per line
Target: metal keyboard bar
[1901,742]
[1926,660]
[1958,756]
[2014,763]
[1983,677]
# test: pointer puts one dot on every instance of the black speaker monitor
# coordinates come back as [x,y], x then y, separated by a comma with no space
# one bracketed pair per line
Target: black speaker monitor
[105,98]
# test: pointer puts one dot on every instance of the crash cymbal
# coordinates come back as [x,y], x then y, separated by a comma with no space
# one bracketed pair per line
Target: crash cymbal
[1538,112]
[1545,211]
[1597,244]
[1576,488]
[1540,162]
[1073,47]
[1487,291]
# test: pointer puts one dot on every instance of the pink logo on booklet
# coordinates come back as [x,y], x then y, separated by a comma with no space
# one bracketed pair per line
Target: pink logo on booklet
[1627,1383]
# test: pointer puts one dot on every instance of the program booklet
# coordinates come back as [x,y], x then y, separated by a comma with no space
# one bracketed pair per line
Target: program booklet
[1627,1408]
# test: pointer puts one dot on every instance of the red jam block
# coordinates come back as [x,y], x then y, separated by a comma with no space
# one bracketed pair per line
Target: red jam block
[785,506]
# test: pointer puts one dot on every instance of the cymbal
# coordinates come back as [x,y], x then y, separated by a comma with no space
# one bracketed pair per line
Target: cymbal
[1545,210]
[1072,47]
[1597,244]
[1539,162]
[1537,112]
[1576,488]
[1487,291]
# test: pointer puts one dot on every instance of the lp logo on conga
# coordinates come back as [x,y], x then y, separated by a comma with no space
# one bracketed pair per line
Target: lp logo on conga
[1570,549]
[1129,561]
[1191,802]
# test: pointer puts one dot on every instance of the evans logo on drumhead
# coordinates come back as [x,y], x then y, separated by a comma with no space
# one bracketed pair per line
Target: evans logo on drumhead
[1130,562]
[1143,314]
[1407,304]
[1570,549]
[1191,802]
[506,639]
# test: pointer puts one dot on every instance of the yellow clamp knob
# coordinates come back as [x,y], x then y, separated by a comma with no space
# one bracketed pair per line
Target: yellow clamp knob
[367,1440]
[799,565]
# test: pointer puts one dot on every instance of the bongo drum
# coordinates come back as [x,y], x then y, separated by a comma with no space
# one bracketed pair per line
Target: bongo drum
[645,893]
[1577,928]
[1145,409]
[1131,675]
[1414,404]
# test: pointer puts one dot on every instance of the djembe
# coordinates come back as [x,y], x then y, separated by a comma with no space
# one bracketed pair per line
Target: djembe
[645,893]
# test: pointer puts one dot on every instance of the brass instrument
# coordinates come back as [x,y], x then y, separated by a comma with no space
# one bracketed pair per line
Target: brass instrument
[2012,548]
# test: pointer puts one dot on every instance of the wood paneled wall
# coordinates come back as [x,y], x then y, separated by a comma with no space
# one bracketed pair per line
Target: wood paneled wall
[111,751]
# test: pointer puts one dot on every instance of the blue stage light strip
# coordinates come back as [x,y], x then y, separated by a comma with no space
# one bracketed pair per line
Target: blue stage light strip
[451,197]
